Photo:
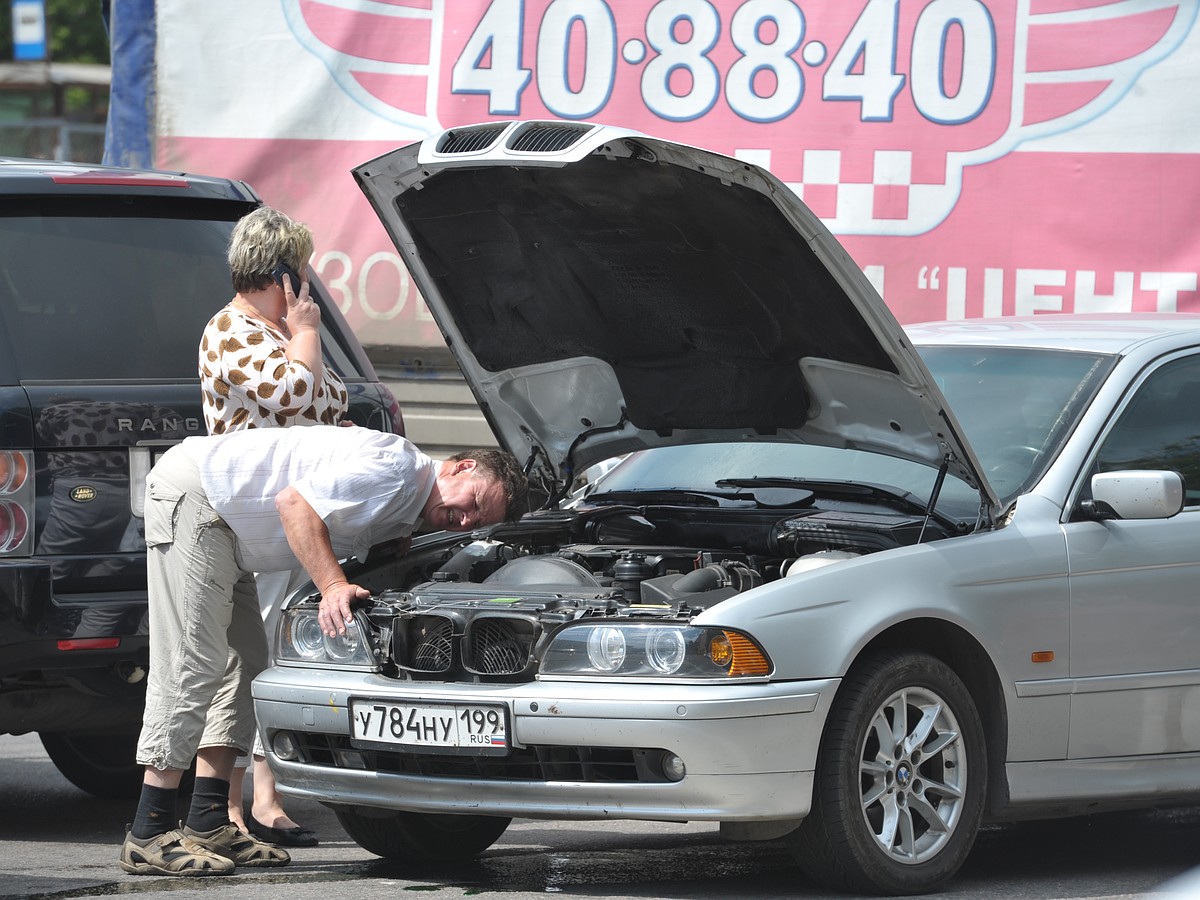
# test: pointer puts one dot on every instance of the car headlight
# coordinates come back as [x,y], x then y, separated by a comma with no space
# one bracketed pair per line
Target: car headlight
[653,650]
[300,640]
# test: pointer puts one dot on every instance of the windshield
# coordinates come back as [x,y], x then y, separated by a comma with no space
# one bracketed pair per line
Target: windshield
[1016,405]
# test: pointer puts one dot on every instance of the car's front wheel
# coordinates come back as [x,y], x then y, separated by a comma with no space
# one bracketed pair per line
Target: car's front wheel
[420,837]
[900,779]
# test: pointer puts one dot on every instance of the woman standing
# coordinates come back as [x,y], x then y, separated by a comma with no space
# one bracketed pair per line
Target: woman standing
[261,367]
[260,356]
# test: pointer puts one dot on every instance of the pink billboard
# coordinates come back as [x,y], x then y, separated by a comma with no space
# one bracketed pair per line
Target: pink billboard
[976,158]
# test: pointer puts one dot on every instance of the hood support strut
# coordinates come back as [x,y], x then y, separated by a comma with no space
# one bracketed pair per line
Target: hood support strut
[933,497]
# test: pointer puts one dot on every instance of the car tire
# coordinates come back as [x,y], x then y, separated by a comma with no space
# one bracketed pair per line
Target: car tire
[420,837]
[896,819]
[102,765]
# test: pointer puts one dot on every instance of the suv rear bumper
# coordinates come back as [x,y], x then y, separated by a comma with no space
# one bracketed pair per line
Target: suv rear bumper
[30,611]
[73,663]
[63,707]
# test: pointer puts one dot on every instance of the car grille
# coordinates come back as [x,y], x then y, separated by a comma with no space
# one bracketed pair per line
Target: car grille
[584,764]
[498,646]
[471,140]
[545,138]
[485,645]
[433,650]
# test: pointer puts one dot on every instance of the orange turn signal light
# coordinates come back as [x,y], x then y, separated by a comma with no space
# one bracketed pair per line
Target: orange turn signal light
[13,471]
[738,654]
[1042,656]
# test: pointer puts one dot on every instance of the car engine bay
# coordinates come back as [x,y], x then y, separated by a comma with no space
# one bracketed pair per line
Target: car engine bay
[480,607]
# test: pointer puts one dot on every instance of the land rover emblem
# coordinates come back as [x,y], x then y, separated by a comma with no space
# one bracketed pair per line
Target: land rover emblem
[83,494]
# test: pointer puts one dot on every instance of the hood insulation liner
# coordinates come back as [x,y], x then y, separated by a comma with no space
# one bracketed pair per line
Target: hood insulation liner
[672,282]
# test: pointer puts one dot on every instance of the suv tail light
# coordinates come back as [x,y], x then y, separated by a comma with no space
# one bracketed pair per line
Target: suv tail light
[16,502]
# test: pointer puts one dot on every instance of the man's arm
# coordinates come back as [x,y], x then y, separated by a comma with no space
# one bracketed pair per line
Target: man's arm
[309,539]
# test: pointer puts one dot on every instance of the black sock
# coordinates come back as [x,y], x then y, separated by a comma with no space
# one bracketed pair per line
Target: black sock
[210,804]
[155,813]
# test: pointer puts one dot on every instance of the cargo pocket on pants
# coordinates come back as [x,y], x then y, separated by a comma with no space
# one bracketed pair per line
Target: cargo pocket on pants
[162,513]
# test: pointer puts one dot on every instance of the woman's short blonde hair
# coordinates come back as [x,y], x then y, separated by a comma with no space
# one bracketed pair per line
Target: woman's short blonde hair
[260,241]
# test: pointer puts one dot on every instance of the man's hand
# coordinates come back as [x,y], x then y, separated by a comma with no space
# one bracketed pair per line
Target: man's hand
[335,607]
[309,539]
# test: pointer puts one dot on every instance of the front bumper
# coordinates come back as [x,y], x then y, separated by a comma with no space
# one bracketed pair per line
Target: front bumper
[749,749]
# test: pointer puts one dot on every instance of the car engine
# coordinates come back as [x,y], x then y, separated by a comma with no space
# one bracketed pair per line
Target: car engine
[478,608]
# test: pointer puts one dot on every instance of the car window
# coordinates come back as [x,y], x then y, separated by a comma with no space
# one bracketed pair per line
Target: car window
[1017,405]
[1160,428]
[91,294]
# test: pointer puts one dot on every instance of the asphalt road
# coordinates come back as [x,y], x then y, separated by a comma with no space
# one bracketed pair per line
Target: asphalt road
[57,842]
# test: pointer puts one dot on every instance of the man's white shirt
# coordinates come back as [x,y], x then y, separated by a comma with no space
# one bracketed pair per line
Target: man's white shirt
[367,486]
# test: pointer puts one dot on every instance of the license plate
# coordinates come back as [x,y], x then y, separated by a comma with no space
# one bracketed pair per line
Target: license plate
[459,728]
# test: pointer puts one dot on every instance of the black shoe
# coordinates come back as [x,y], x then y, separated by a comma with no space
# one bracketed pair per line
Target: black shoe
[296,836]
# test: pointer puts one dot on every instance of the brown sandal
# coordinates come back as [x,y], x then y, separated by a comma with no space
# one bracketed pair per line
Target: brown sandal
[173,853]
[239,847]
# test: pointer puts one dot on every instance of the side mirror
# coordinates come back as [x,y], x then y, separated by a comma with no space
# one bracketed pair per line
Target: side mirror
[1135,495]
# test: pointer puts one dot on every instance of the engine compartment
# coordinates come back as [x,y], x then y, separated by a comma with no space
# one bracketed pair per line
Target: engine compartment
[479,607]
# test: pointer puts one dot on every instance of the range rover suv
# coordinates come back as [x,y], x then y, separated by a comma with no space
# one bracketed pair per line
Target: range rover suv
[107,277]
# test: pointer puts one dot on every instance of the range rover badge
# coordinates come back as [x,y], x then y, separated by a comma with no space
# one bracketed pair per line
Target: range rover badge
[83,494]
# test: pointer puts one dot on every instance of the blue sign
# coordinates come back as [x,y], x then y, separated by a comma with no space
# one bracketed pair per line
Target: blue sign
[29,29]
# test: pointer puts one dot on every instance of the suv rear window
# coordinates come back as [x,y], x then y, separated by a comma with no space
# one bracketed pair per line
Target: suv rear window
[145,278]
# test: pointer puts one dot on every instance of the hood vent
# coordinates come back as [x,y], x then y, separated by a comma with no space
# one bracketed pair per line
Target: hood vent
[543,137]
[471,140]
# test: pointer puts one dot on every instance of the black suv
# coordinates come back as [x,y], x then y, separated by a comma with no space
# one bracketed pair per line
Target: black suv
[107,278]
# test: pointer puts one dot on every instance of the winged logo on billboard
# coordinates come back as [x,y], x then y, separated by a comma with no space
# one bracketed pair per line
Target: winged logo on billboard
[892,100]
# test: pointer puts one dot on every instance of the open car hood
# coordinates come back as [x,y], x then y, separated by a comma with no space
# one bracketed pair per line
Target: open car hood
[604,292]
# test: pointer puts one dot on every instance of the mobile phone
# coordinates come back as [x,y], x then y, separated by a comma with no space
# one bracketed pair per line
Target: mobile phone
[282,269]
